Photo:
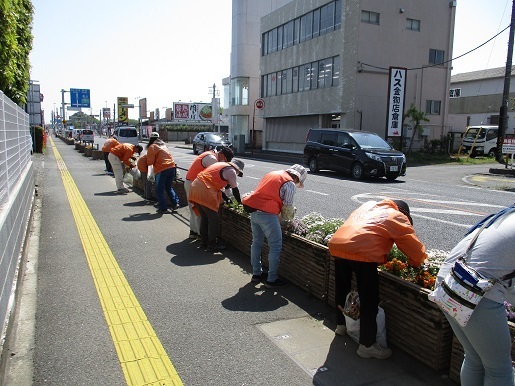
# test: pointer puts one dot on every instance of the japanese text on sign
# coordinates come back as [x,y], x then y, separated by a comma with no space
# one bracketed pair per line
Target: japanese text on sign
[396,101]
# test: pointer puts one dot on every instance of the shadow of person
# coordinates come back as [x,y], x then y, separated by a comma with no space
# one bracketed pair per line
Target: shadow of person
[106,194]
[142,217]
[254,298]
[187,253]
[136,203]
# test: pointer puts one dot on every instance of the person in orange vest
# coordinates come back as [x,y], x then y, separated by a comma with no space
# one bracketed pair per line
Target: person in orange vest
[268,204]
[165,171]
[206,197]
[143,167]
[121,154]
[109,143]
[360,245]
[204,160]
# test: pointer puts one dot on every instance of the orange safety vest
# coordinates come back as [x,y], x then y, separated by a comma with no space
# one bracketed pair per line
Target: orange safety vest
[109,144]
[142,164]
[196,167]
[124,151]
[159,156]
[370,232]
[206,189]
[266,197]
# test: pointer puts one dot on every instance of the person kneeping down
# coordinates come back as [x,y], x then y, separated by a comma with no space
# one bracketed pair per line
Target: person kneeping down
[272,199]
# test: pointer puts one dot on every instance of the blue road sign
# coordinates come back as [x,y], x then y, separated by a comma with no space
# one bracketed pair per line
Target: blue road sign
[79,97]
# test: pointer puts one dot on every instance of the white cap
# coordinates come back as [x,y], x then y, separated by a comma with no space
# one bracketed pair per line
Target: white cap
[299,171]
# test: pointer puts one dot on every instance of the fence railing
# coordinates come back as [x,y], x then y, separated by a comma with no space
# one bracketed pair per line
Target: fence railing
[15,145]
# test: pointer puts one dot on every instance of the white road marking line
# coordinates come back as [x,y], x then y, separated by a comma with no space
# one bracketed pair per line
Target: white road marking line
[444,221]
[314,191]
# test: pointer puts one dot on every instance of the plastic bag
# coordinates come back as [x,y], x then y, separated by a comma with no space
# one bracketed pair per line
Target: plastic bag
[136,174]
[150,174]
[128,179]
[353,328]
[351,307]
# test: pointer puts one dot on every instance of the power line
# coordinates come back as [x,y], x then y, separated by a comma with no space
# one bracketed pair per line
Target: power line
[439,64]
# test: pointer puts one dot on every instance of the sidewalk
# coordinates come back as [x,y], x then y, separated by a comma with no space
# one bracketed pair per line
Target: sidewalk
[216,327]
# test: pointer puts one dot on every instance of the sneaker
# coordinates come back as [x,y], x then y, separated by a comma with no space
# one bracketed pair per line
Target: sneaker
[175,207]
[341,329]
[123,190]
[375,351]
[259,278]
[278,283]
[164,211]
[193,235]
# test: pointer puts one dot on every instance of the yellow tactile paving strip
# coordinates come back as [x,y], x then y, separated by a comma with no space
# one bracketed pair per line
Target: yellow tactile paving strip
[141,354]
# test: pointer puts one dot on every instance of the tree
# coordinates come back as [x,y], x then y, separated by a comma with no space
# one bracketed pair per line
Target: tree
[15,45]
[415,116]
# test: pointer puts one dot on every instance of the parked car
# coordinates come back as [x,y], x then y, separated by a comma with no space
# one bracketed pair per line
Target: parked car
[87,136]
[76,134]
[481,140]
[127,134]
[206,141]
[359,153]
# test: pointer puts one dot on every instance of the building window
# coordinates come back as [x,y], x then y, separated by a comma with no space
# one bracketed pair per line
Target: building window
[272,40]
[336,71]
[314,75]
[436,56]
[306,27]
[433,107]
[338,14]
[279,38]
[296,31]
[295,79]
[239,91]
[264,44]
[370,17]
[413,25]
[288,35]
[327,18]
[316,23]
[288,81]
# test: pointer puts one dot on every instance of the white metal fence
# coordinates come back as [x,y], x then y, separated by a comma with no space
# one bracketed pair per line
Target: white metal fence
[15,145]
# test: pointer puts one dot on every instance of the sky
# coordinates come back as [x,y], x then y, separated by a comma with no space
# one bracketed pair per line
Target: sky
[174,50]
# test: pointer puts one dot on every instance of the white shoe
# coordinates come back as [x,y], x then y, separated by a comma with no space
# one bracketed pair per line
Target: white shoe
[341,329]
[375,351]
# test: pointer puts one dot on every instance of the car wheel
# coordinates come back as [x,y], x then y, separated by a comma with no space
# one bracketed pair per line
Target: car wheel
[492,153]
[194,150]
[313,165]
[357,171]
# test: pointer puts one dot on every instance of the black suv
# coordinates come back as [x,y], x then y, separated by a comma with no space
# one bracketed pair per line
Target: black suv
[359,153]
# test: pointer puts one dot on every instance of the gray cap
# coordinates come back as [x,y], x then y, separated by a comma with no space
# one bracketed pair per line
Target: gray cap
[238,165]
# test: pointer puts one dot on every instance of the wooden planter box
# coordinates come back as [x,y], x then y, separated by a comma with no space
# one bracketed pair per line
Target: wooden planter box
[97,154]
[88,151]
[80,147]
[69,141]
[457,354]
[415,324]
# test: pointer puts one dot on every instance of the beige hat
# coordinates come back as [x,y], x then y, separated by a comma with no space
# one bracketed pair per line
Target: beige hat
[299,171]
[238,165]
[154,134]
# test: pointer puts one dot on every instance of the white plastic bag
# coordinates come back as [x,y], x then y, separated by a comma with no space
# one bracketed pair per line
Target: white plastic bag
[353,328]
[150,174]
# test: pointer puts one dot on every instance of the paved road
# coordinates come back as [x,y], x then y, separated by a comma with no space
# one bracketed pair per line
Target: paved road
[196,312]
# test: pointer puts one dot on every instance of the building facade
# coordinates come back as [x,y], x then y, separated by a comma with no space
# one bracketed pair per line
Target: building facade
[476,98]
[326,64]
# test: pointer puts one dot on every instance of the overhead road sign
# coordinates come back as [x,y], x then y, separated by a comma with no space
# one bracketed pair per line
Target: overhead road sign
[79,98]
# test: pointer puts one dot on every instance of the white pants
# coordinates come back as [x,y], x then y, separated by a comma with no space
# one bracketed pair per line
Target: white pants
[117,166]
[194,219]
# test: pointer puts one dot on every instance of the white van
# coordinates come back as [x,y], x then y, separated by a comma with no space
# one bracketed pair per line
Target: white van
[127,134]
[480,140]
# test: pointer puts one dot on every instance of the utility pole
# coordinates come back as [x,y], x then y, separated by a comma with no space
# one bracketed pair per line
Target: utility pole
[503,115]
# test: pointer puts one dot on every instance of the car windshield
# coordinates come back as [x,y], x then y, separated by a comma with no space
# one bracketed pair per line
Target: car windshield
[370,141]
[127,133]
[472,133]
[213,138]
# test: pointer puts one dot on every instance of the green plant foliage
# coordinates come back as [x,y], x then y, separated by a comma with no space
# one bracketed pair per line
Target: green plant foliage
[15,46]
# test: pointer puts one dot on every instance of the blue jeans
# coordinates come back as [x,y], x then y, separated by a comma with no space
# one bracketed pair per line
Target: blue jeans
[266,225]
[164,181]
[487,344]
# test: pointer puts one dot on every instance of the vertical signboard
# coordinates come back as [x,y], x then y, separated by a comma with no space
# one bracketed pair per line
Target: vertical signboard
[143,108]
[106,113]
[395,108]
[123,112]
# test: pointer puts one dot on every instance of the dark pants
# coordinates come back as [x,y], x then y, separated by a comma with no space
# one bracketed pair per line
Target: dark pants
[209,225]
[164,180]
[367,280]
[108,164]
